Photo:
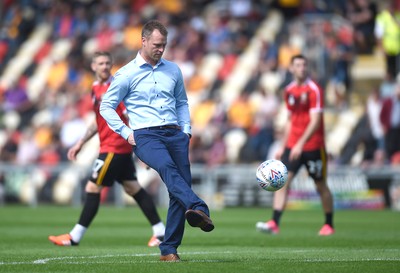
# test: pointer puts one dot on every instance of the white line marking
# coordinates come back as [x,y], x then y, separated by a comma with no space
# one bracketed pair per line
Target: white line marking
[72,259]
[75,259]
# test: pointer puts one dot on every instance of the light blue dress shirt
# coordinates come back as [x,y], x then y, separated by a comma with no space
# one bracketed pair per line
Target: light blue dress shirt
[153,96]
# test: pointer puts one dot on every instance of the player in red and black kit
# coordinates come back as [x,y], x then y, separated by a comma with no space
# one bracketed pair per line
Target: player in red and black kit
[114,163]
[303,144]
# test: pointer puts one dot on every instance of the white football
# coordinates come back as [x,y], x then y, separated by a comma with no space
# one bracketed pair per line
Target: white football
[272,175]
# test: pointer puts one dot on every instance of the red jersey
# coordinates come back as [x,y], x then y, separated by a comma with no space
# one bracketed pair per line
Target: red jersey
[110,141]
[301,100]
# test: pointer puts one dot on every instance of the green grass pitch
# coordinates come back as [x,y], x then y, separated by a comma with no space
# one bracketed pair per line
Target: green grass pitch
[365,241]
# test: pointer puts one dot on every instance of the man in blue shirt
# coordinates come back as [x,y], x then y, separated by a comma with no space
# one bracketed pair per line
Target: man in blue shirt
[153,92]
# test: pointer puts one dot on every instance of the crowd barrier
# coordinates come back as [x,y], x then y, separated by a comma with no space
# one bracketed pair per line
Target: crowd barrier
[222,186]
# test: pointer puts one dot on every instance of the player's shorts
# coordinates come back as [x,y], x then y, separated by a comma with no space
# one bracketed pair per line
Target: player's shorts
[315,162]
[110,167]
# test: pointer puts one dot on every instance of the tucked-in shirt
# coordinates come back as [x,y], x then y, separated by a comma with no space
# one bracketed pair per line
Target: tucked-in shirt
[153,96]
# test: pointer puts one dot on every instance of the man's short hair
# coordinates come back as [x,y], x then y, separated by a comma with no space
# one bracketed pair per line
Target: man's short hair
[150,26]
[298,56]
[101,53]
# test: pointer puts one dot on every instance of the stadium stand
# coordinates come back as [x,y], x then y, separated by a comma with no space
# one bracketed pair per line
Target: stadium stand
[227,49]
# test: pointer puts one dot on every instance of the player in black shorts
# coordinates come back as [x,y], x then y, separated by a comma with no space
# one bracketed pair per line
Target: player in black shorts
[314,161]
[303,143]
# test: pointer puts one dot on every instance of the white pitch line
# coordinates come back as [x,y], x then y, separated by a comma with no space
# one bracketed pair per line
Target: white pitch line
[72,258]
[352,260]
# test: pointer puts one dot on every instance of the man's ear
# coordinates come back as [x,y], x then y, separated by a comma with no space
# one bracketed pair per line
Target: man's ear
[93,67]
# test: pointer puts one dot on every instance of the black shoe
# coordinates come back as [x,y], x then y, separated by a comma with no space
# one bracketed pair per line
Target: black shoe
[197,218]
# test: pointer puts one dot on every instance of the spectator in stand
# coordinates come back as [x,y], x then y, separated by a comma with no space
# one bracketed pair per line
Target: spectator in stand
[105,35]
[216,155]
[16,99]
[180,57]
[387,33]
[310,7]
[27,151]
[17,24]
[390,118]
[202,114]
[9,150]
[262,135]
[286,49]
[132,32]
[375,150]
[361,14]
[289,8]
[72,129]
[57,76]
[217,33]
[369,133]
[342,56]
[241,112]
[116,16]
[269,56]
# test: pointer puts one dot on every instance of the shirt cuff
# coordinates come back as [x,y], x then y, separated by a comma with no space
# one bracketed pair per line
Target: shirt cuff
[187,129]
[125,132]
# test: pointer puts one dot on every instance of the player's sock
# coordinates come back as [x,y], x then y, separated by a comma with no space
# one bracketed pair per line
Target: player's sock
[77,233]
[276,216]
[159,230]
[329,219]
[89,210]
[145,202]
[88,213]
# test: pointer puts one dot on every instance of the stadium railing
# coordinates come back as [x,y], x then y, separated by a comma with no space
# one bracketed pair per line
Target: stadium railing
[223,186]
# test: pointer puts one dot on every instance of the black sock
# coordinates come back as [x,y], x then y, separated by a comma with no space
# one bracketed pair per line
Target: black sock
[276,216]
[90,209]
[146,203]
[329,219]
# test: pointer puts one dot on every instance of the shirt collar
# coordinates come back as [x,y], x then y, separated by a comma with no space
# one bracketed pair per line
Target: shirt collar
[304,83]
[140,61]
[97,82]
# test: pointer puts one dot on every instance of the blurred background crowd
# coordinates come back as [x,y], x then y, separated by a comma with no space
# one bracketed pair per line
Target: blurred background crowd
[234,56]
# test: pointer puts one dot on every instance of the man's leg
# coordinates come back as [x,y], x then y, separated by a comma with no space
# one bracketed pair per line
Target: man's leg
[326,200]
[89,211]
[154,148]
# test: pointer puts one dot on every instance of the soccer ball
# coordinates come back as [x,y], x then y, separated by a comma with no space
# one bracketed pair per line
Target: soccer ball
[272,175]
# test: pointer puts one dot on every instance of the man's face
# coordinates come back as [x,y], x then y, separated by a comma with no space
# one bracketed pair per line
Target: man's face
[101,66]
[299,68]
[153,47]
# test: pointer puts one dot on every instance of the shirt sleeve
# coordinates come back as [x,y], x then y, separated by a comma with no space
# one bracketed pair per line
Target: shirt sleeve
[112,98]
[316,99]
[182,106]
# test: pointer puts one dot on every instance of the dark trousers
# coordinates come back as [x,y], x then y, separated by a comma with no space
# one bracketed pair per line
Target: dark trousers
[392,65]
[167,152]
[392,141]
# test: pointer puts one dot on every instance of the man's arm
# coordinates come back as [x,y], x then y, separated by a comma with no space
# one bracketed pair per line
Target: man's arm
[312,127]
[111,99]
[182,106]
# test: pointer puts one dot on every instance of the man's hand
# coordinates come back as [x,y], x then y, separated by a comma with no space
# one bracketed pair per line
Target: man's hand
[279,153]
[296,151]
[131,140]
[74,150]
